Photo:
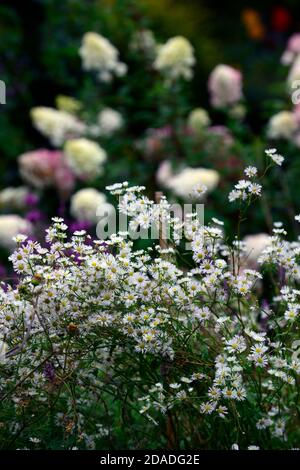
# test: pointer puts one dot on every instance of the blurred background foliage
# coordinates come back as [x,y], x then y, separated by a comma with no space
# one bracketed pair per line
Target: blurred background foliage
[39,61]
[40,40]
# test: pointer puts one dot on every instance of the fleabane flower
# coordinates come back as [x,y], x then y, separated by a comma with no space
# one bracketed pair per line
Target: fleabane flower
[275,157]
[250,171]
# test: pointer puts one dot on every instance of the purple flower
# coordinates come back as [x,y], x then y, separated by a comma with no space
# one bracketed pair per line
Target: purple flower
[34,216]
[49,371]
[31,199]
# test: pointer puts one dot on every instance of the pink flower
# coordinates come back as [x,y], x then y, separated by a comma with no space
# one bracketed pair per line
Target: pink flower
[42,168]
[225,86]
[296,112]
[294,43]
[223,134]
[292,49]
[154,142]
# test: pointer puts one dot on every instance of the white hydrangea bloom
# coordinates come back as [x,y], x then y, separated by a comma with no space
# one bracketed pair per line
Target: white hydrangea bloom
[56,125]
[282,125]
[85,157]
[175,59]
[85,203]
[198,120]
[10,226]
[225,86]
[109,122]
[98,54]
[13,198]
[186,184]
[255,244]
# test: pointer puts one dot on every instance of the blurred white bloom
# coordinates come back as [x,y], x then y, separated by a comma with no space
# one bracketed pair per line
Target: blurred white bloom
[175,58]
[143,41]
[164,173]
[190,183]
[198,120]
[109,122]
[282,125]
[13,198]
[68,104]
[225,86]
[85,157]
[254,245]
[98,54]
[56,125]
[238,111]
[10,226]
[85,203]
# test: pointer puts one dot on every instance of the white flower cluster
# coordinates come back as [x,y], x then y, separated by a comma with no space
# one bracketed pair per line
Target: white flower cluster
[283,125]
[99,55]
[247,189]
[189,340]
[10,226]
[85,157]
[198,120]
[56,125]
[175,59]
[14,198]
[86,203]
[189,183]
[109,122]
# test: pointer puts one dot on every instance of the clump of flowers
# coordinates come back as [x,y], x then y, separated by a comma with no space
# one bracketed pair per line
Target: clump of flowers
[283,125]
[198,120]
[109,122]
[85,157]
[14,198]
[90,320]
[43,168]
[86,204]
[292,50]
[189,183]
[56,125]
[175,59]
[99,55]
[225,86]
[10,226]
